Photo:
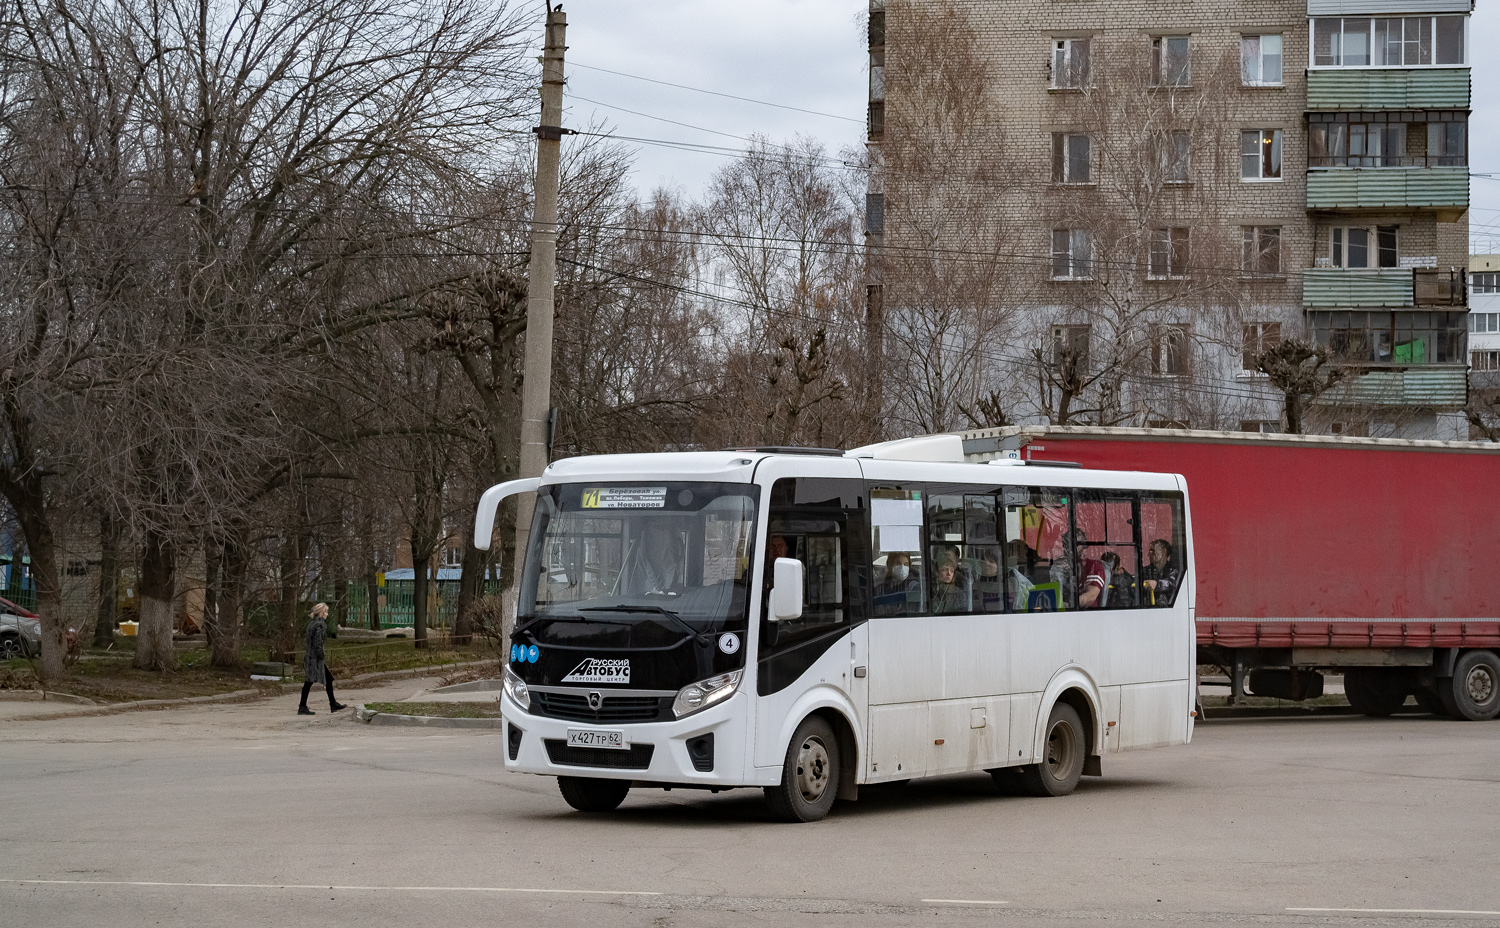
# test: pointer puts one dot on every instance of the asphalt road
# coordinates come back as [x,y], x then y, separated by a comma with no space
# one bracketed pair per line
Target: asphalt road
[246,815]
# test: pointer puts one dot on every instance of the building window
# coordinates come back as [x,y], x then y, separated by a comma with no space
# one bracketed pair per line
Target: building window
[1169,350]
[1262,250]
[1356,145]
[1168,255]
[1260,154]
[1070,345]
[1166,423]
[1263,426]
[1070,158]
[1357,246]
[1388,42]
[453,557]
[1072,254]
[1484,360]
[1260,60]
[1169,61]
[1480,323]
[77,567]
[1258,337]
[1486,282]
[1447,143]
[1399,338]
[1175,155]
[1351,429]
[1070,64]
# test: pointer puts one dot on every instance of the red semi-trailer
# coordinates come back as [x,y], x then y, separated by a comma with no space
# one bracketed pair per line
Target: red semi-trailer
[1375,558]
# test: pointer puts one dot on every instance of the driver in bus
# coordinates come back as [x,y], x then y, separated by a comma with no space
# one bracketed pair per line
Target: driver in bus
[658,562]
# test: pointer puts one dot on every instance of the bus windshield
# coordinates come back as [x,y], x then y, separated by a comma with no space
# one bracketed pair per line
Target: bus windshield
[655,552]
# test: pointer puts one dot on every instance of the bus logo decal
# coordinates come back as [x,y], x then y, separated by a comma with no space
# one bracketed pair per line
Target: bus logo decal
[597,670]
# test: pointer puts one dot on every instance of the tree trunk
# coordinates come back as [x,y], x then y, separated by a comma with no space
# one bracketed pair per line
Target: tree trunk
[1293,414]
[470,584]
[109,582]
[285,648]
[153,646]
[372,581]
[226,621]
[339,608]
[419,559]
[212,562]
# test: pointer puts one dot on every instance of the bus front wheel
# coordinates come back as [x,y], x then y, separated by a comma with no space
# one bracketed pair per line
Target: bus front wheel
[1062,755]
[588,794]
[809,776]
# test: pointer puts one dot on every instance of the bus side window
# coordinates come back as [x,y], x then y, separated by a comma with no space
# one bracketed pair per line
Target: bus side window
[1037,524]
[1105,521]
[896,535]
[1163,533]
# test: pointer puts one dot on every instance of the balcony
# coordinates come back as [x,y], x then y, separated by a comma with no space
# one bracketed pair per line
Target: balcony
[1436,386]
[1386,89]
[1381,288]
[1444,189]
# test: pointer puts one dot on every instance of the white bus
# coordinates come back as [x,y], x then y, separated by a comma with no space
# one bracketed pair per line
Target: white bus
[811,621]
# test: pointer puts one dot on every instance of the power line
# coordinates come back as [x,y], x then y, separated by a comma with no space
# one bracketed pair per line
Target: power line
[716,93]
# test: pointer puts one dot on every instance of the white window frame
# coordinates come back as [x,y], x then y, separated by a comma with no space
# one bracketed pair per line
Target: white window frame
[1261,335]
[1340,243]
[1277,153]
[1481,323]
[1063,152]
[1169,253]
[1260,60]
[1484,359]
[1067,249]
[1159,52]
[1171,341]
[1484,282]
[1312,44]
[1069,65]
[1253,236]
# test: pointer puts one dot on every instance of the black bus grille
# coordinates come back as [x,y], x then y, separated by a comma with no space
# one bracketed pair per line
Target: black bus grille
[636,757]
[574,707]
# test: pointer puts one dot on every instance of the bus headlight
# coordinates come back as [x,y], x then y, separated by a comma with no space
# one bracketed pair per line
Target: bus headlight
[704,693]
[515,687]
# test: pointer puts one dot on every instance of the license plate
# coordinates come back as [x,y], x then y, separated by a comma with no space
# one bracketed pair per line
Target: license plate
[597,738]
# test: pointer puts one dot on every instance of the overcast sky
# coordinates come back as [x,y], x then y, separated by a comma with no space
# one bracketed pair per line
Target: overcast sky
[810,54]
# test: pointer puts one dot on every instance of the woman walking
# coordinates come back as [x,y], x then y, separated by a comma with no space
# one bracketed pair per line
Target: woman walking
[314,670]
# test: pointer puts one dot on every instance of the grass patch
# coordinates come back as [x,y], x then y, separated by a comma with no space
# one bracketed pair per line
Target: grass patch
[441,710]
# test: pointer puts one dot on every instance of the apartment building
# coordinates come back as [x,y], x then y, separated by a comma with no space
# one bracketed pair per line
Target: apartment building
[1158,193]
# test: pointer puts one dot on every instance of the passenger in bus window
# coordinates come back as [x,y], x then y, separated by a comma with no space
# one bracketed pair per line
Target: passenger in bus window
[949,593]
[1121,592]
[1093,584]
[899,592]
[987,586]
[1160,578]
[1018,582]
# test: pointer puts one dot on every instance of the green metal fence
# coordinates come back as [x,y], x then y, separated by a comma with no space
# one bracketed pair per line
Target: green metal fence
[395,602]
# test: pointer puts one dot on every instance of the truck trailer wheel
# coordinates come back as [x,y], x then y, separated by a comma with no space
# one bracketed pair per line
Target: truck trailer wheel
[1474,691]
[589,794]
[1375,691]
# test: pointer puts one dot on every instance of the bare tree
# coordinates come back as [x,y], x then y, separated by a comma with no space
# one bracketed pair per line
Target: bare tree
[1301,372]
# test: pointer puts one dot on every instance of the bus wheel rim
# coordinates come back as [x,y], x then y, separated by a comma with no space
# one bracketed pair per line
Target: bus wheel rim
[812,769]
[1481,685]
[1061,744]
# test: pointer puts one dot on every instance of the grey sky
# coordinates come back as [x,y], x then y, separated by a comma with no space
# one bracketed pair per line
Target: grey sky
[810,54]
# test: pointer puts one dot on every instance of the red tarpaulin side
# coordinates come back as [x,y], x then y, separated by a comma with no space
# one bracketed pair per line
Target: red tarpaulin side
[1286,532]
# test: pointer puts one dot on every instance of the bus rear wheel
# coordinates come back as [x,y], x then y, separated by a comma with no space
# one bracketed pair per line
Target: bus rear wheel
[1474,692]
[1062,755]
[589,794]
[809,776]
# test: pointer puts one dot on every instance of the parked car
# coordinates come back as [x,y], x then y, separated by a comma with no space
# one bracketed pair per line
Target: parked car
[20,635]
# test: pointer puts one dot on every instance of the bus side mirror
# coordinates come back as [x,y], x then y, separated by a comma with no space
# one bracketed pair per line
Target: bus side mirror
[484,516]
[786,589]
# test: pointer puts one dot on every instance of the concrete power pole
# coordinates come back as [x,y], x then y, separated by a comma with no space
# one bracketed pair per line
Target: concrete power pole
[536,392]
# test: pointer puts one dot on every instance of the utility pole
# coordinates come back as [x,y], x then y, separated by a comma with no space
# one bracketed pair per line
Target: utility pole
[536,392]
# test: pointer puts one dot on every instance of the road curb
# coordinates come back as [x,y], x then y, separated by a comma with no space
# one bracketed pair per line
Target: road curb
[271,689]
[41,696]
[371,717]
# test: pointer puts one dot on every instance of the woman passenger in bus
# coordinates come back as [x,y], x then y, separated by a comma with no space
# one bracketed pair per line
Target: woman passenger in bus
[899,592]
[1160,578]
[948,592]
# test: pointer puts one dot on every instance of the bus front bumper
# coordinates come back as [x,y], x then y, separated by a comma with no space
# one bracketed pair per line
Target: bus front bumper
[708,748]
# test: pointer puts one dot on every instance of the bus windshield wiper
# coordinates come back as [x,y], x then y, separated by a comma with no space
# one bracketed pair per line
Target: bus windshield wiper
[535,619]
[702,637]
